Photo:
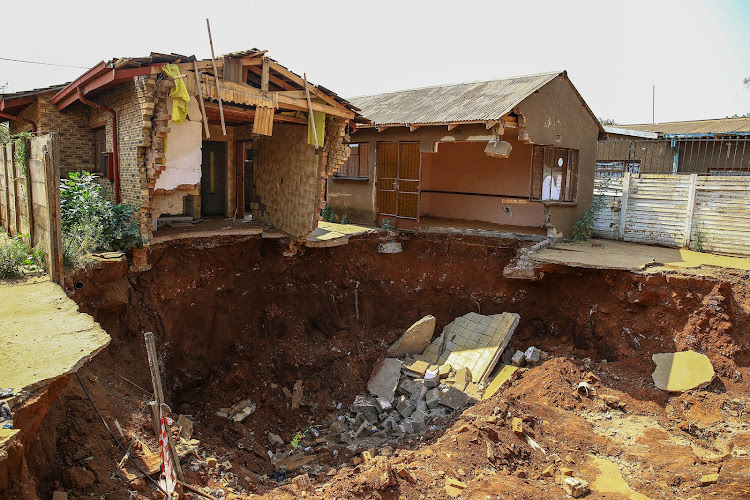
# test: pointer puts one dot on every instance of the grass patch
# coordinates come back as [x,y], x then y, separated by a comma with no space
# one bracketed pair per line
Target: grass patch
[17,258]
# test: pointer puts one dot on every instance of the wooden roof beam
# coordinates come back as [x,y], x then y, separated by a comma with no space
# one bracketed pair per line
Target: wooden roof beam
[412,128]
[299,81]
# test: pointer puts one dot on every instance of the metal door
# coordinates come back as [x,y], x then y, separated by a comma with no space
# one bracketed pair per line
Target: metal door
[214,178]
[399,168]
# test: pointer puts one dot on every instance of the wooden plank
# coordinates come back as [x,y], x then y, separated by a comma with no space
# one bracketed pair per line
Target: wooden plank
[153,363]
[200,100]
[263,122]
[302,83]
[311,116]
[264,74]
[216,78]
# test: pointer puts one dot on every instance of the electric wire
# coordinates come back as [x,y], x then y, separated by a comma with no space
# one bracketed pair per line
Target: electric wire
[117,440]
[42,63]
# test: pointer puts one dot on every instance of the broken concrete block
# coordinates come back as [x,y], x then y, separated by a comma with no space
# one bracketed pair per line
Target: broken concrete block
[709,479]
[407,426]
[338,427]
[384,379]
[365,428]
[432,398]
[431,379]
[505,374]
[302,482]
[517,425]
[389,423]
[418,392]
[212,462]
[454,487]
[444,370]
[416,368]
[405,387]
[532,355]
[405,408]
[415,339]
[366,405]
[186,427]
[59,495]
[384,405]
[275,440]
[454,399]
[389,247]
[682,371]
[575,486]
[463,378]
[549,471]
[241,411]
[518,359]
[419,416]
[440,412]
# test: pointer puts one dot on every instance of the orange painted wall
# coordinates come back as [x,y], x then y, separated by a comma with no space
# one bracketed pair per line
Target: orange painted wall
[463,167]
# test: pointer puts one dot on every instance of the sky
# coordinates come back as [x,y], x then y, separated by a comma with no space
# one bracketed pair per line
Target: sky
[696,53]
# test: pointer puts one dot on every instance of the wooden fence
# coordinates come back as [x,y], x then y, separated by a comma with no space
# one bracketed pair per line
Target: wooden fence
[30,197]
[677,211]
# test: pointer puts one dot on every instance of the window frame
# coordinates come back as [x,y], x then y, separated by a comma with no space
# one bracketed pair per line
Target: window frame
[345,172]
[545,158]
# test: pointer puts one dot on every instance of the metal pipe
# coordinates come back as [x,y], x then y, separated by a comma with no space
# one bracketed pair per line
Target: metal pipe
[19,119]
[115,148]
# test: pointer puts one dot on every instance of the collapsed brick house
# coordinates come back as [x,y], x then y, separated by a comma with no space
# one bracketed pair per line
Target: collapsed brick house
[516,153]
[245,145]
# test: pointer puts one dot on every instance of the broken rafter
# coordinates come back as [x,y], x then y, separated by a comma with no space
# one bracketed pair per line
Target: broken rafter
[311,116]
[200,100]
[264,75]
[412,128]
[216,77]
[301,82]
[451,126]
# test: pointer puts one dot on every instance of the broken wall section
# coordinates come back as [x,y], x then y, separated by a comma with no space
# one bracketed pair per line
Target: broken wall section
[286,173]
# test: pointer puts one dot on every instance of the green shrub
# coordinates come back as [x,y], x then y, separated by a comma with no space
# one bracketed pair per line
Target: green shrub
[327,214]
[16,257]
[585,225]
[91,223]
[345,219]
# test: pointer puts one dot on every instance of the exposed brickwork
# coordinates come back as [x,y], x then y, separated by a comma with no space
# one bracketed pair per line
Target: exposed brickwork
[286,178]
[335,154]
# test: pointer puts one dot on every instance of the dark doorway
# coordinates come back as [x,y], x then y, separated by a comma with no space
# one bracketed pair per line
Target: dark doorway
[214,178]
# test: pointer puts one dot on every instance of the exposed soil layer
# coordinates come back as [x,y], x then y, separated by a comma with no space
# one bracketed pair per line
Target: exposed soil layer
[235,319]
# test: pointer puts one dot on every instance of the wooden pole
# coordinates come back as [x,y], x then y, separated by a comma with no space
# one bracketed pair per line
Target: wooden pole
[153,364]
[264,74]
[200,99]
[309,106]
[216,78]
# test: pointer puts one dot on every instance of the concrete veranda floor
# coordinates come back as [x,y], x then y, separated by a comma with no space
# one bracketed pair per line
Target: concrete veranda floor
[42,337]
[610,254]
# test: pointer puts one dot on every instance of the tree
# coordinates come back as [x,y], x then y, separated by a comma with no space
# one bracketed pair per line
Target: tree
[607,121]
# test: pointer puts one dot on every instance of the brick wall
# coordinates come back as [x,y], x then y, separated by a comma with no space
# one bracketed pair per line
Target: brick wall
[134,104]
[286,177]
[335,154]
[71,125]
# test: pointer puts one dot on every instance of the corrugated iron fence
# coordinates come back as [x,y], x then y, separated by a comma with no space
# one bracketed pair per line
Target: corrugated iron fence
[707,211]
[30,196]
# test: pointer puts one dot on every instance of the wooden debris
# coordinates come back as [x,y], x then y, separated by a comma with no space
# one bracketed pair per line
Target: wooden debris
[517,425]
[297,395]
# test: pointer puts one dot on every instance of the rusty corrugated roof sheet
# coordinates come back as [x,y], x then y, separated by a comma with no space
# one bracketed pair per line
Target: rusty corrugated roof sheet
[716,126]
[462,102]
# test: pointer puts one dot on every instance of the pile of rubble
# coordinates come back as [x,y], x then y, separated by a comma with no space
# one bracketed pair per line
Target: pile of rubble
[426,380]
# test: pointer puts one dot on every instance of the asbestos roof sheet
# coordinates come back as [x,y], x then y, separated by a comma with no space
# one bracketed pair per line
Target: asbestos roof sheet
[716,126]
[462,102]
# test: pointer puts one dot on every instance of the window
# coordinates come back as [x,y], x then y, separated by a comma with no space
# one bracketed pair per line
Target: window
[101,157]
[358,164]
[554,174]
[615,168]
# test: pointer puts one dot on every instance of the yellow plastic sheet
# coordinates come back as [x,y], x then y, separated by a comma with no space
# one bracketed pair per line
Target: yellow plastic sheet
[179,94]
[320,128]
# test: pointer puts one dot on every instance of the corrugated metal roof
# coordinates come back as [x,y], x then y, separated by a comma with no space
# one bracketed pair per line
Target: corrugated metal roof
[716,126]
[476,101]
[621,130]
